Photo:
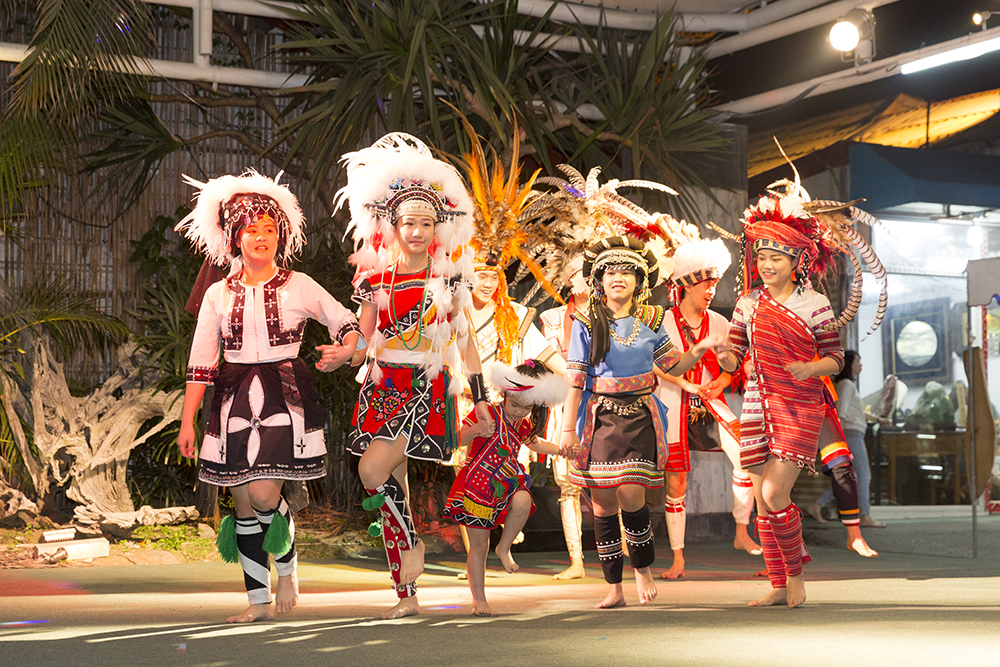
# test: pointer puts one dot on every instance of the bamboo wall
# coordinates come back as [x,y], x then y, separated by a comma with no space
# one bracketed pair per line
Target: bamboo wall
[66,231]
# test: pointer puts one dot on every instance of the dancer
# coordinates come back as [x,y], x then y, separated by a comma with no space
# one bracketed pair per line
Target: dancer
[493,486]
[556,325]
[851,476]
[266,422]
[411,219]
[790,333]
[619,439]
[698,415]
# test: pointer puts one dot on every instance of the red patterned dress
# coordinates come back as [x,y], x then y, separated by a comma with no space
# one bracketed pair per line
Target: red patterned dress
[492,474]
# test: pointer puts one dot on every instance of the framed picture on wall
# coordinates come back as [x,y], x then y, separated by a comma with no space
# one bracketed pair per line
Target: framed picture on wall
[915,341]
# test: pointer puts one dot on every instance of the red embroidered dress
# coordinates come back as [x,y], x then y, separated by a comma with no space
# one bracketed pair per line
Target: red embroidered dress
[492,474]
[404,402]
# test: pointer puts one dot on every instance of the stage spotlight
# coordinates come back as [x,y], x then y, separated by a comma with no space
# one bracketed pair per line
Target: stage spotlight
[980,18]
[855,32]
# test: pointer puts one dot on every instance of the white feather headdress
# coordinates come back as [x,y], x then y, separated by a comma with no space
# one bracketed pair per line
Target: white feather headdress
[550,389]
[219,214]
[395,169]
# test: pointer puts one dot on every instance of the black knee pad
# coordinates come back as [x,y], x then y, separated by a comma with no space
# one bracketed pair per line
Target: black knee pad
[609,547]
[639,535]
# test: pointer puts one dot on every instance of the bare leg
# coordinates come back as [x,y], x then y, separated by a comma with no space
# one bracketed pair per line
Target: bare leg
[405,607]
[855,542]
[517,514]
[475,565]
[465,542]
[287,594]
[777,482]
[816,511]
[745,542]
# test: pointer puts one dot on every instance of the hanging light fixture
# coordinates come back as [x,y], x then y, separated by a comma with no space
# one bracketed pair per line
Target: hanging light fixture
[980,18]
[855,31]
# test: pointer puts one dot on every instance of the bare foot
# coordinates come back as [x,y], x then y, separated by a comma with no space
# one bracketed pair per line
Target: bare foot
[255,612]
[483,609]
[745,542]
[676,570]
[816,512]
[406,607]
[645,585]
[287,594]
[507,560]
[411,563]
[615,598]
[775,597]
[795,591]
[462,576]
[868,522]
[574,571]
[858,544]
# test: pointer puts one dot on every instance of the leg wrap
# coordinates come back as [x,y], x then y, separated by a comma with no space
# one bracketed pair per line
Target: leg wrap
[609,547]
[572,523]
[786,525]
[639,535]
[742,497]
[398,533]
[255,561]
[845,490]
[772,554]
[676,515]
[284,562]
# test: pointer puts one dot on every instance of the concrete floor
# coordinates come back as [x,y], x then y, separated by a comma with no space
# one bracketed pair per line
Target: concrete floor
[898,609]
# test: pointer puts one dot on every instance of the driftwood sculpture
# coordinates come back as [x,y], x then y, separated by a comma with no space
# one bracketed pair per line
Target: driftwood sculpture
[83,443]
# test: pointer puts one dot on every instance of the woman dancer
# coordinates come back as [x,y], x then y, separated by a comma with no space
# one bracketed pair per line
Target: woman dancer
[493,487]
[619,438]
[266,423]
[411,220]
[791,336]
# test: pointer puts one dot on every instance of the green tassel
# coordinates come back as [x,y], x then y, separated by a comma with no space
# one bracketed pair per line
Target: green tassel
[372,503]
[278,540]
[375,529]
[226,540]
[498,489]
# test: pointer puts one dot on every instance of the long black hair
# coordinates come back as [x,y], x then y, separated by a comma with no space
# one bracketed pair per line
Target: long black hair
[845,372]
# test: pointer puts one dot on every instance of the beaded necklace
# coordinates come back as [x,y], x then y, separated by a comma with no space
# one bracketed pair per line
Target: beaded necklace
[420,319]
[625,341]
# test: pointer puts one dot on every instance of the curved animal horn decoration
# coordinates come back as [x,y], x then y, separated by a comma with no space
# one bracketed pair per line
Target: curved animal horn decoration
[839,217]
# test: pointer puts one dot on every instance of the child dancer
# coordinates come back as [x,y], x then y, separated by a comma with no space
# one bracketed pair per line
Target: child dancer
[266,421]
[493,486]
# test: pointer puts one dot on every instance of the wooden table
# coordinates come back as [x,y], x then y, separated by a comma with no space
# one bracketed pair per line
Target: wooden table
[940,443]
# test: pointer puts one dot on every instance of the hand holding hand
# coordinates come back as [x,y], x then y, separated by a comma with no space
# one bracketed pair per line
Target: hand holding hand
[334,356]
[484,418]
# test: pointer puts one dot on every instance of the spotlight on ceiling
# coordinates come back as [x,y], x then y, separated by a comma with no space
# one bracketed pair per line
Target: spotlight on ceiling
[980,18]
[855,32]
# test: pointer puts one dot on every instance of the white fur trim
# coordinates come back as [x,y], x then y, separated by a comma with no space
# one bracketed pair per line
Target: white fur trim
[701,254]
[549,389]
[203,227]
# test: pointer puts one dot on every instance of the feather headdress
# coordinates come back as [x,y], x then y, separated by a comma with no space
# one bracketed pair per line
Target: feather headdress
[397,175]
[547,389]
[501,231]
[786,219]
[225,205]
[700,260]
[583,211]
